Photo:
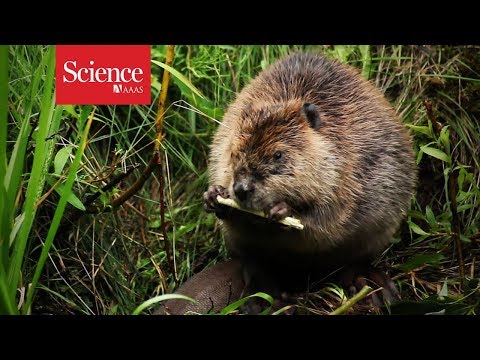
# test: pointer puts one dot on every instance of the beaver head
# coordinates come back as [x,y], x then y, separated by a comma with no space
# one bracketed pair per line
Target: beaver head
[280,154]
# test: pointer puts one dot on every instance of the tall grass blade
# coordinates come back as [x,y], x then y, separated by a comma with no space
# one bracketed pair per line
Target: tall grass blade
[3,109]
[58,214]
[16,162]
[180,77]
[153,301]
[6,304]
[37,178]
[366,61]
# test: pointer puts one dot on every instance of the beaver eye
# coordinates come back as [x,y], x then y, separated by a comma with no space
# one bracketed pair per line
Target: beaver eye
[278,155]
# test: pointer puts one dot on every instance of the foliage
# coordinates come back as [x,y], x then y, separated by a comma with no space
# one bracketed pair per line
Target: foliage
[112,262]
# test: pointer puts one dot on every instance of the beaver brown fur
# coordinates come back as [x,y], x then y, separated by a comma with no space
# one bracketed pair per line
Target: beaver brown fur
[310,138]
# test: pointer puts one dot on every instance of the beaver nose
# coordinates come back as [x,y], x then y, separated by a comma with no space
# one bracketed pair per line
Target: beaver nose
[243,190]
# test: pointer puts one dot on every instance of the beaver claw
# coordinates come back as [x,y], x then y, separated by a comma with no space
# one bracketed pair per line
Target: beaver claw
[210,202]
[278,211]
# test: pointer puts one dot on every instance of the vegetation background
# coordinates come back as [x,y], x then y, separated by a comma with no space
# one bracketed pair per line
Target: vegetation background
[65,250]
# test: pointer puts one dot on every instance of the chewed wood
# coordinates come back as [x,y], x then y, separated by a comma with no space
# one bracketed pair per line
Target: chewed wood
[288,221]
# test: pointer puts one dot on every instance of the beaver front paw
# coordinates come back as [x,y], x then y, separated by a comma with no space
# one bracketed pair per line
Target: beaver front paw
[279,211]
[210,202]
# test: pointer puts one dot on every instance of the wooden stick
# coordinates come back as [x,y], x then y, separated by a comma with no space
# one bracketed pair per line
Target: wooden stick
[289,221]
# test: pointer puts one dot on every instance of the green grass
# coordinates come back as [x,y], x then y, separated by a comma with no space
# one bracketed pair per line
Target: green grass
[113,262]
[18,213]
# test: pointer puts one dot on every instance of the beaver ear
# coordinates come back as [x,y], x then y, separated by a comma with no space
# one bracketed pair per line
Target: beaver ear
[312,115]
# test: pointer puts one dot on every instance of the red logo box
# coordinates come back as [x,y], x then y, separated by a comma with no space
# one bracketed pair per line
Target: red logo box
[102,74]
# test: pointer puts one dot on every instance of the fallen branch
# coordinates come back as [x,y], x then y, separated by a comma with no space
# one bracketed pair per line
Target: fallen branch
[110,185]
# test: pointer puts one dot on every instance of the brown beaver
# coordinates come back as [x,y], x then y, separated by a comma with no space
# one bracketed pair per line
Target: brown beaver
[310,138]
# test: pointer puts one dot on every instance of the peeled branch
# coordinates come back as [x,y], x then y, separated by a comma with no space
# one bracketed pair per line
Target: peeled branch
[288,221]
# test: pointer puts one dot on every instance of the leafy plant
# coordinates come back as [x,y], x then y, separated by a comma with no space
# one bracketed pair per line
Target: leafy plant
[18,218]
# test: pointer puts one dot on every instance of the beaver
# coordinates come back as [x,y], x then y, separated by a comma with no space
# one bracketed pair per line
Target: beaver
[309,137]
